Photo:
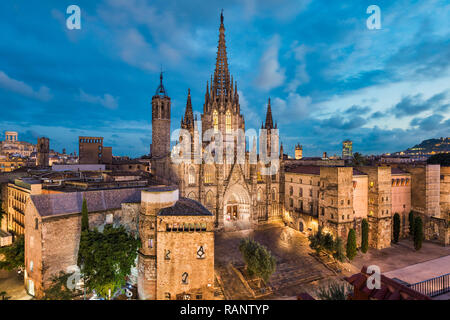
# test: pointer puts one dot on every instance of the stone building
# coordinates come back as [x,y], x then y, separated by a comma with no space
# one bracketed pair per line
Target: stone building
[239,194]
[344,196]
[92,151]
[12,146]
[401,197]
[176,259]
[43,150]
[17,195]
[298,152]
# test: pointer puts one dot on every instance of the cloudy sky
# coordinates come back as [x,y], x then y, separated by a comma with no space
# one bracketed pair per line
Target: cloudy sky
[329,77]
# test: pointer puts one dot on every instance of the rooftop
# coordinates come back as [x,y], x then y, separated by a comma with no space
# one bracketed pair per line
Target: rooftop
[315,170]
[390,289]
[69,203]
[185,207]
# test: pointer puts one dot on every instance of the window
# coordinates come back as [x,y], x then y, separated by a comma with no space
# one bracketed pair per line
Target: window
[36,223]
[191,175]
[208,174]
[291,202]
[150,243]
[201,253]
[216,120]
[167,254]
[291,190]
[274,196]
[109,218]
[301,192]
[31,266]
[209,199]
[323,211]
[185,278]
[310,192]
[228,121]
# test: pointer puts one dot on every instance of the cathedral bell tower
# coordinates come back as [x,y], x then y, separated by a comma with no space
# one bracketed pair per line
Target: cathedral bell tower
[160,122]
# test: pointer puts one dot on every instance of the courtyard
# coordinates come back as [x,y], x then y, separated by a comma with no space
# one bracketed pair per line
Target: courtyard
[297,271]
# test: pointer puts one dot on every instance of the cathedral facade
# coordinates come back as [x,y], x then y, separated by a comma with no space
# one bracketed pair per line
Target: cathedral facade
[240,187]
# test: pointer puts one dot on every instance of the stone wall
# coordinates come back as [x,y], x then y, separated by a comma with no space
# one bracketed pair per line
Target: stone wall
[53,247]
[179,253]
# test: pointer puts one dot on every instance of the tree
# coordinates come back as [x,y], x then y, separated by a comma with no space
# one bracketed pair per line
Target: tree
[2,212]
[316,241]
[411,223]
[107,258]
[14,255]
[364,235]
[418,233]
[258,259]
[84,216]
[351,244]
[441,158]
[396,227]
[339,250]
[358,159]
[4,295]
[58,289]
[334,291]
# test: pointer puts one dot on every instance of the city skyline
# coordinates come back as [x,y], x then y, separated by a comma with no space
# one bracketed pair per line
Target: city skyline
[329,77]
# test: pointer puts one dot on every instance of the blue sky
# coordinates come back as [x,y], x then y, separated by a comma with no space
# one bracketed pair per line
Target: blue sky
[329,77]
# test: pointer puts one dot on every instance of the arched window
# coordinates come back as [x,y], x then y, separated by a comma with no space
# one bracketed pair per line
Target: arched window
[259,195]
[228,121]
[291,190]
[209,199]
[274,195]
[216,120]
[209,174]
[191,175]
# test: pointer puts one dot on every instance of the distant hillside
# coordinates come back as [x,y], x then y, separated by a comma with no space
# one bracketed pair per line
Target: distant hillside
[429,147]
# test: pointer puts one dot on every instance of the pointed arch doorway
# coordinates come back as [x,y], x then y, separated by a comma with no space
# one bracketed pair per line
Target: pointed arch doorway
[237,208]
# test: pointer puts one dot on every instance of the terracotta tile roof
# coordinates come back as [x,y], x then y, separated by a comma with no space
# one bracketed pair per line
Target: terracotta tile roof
[185,207]
[68,203]
[390,288]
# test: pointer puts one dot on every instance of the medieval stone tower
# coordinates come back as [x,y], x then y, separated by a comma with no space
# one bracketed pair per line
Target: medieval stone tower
[43,150]
[160,148]
[298,152]
[160,122]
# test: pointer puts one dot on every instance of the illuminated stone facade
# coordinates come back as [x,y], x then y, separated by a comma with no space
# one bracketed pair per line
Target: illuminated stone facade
[164,222]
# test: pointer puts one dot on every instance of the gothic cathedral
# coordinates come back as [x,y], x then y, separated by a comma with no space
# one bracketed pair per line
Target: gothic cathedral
[237,192]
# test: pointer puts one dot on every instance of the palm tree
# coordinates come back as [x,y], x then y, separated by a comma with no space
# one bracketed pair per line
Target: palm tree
[358,159]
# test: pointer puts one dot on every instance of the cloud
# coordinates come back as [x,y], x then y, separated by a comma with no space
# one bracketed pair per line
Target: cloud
[270,74]
[415,104]
[356,109]
[107,101]
[431,123]
[341,123]
[24,89]
[301,76]
[293,108]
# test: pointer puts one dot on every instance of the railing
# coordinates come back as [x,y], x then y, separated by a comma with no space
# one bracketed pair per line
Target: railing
[434,286]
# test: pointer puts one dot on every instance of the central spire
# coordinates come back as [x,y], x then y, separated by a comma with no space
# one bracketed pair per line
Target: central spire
[221,84]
